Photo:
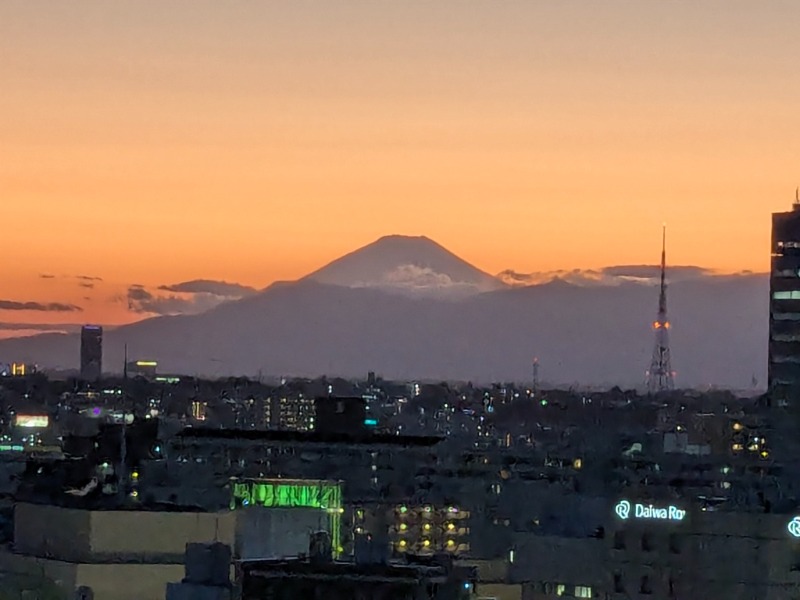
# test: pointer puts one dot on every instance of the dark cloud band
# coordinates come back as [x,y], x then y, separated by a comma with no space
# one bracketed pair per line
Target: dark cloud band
[39,306]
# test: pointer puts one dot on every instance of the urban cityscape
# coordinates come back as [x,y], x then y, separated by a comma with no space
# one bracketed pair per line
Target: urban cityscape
[446,300]
[118,478]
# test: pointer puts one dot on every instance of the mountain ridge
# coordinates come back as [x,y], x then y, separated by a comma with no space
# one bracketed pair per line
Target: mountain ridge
[589,335]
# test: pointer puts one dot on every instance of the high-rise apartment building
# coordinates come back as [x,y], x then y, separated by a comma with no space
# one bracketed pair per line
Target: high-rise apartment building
[91,352]
[784,311]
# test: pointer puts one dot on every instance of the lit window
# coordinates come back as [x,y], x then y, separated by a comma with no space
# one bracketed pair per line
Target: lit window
[583,591]
[561,589]
[786,295]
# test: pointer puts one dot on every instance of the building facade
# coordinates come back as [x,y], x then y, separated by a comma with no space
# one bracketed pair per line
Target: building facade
[91,352]
[784,313]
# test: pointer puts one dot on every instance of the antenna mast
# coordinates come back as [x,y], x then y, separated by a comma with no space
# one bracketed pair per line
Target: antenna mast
[660,377]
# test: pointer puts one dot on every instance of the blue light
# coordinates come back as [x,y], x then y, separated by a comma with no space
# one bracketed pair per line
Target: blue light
[371,422]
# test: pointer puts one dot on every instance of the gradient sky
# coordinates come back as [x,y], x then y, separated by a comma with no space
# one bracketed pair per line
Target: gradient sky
[158,142]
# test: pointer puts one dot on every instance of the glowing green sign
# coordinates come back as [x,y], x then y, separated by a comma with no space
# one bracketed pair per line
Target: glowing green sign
[297,494]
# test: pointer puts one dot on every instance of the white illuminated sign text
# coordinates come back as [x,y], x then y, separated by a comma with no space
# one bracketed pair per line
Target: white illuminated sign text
[794,527]
[625,510]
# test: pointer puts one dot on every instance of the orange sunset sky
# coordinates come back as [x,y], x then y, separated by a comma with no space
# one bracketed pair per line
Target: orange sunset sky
[159,142]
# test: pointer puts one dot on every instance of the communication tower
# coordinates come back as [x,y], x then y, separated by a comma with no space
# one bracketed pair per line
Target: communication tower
[660,377]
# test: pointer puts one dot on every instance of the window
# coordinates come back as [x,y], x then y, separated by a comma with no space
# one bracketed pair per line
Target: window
[646,587]
[674,543]
[647,542]
[561,589]
[583,591]
[786,295]
[619,540]
[619,587]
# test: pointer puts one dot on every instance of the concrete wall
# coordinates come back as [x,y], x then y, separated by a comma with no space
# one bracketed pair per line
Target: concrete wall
[276,532]
[559,560]
[51,532]
[128,582]
[62,574]
[500,591]
[162,535]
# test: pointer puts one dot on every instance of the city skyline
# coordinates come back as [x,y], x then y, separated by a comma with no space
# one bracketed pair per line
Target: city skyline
[253,144]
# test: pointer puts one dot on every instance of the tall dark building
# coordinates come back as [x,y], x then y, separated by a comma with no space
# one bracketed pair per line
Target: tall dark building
[91,352]
[784,308]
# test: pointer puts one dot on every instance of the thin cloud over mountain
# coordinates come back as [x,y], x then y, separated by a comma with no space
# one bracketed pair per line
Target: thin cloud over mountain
[609,276]
[208,286]
[49,327]
[39,306]
[185,298]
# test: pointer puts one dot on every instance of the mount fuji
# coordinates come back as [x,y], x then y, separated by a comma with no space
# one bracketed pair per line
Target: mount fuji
[407,308]
[415,266]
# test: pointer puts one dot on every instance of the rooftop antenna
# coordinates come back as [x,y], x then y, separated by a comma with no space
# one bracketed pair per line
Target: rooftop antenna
[125,364]
[660,377]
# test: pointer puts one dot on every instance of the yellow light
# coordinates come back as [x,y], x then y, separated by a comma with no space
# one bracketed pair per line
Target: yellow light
[764,454]
[578,463]
[426,543]
[403,526]
[738,427]
[451,543]
[146,363]
[451,526]
[402,543]
[135,475]
[427,526]
[737,447]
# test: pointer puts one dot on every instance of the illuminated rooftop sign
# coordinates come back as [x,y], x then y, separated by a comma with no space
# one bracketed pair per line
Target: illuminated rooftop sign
[794,527]
[32,421]
[291,494]
[625,511]
[295,493]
